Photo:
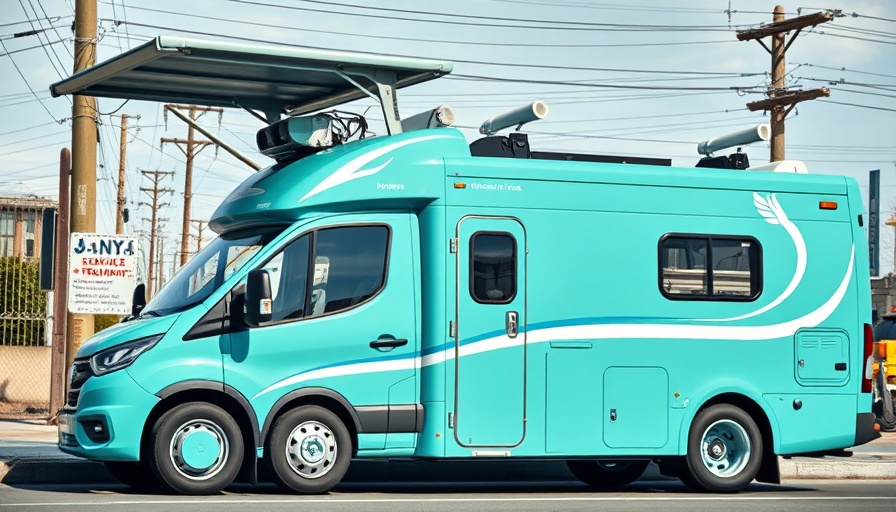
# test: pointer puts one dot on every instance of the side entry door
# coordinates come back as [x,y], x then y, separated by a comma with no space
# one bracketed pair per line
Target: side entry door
[490,340]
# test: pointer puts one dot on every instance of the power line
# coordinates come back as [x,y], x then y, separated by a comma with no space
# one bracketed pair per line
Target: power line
[571,68]
[34,47]
[616,7]
[54,19]
[414,39]
[850,70]
[47,53]
[565,25]
[857,105]
[19,130]
[475,17]
[19,71]
[598,86]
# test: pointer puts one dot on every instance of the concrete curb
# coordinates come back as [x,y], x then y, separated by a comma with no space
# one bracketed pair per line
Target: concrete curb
[871,467]
[70,470]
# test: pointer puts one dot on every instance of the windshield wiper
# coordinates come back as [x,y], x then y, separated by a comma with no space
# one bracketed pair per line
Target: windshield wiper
[151,312]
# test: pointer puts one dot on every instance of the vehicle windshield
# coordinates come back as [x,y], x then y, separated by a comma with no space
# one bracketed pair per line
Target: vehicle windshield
[207,270]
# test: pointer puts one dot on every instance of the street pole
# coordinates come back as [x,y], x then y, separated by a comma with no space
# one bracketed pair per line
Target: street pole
[779,70]
[59,370]
[122,158]
[780,100]
[83,181]
[156,177]
[190,152]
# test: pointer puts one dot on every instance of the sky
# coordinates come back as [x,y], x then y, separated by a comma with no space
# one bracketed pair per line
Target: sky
[644,78]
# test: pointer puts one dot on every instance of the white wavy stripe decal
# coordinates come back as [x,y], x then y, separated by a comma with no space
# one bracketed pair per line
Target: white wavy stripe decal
[340,371]
[350,171]
[774,214]
[593,331]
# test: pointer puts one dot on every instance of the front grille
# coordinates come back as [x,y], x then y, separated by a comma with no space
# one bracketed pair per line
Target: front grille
[78,376]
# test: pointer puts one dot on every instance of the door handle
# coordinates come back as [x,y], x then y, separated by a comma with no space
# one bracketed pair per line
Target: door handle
[388,343]
[512,324]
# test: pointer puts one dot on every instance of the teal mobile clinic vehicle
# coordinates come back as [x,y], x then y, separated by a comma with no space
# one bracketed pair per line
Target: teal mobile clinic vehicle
[415,296]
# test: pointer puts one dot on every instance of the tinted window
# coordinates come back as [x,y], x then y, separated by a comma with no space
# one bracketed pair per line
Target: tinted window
[493,268]
[289,273]
[733,272]
[349,266]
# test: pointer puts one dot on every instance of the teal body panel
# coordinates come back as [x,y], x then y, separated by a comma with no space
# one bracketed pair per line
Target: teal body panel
[599,347]
[124,405]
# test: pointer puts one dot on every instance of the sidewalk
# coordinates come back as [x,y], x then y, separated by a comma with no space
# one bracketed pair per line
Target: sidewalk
[28,455]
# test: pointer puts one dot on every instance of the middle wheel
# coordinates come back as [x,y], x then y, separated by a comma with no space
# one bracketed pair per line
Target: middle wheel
[309,449]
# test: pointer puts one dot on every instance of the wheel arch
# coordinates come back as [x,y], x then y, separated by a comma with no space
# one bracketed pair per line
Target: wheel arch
[323,397]
[216,393]
[768,469]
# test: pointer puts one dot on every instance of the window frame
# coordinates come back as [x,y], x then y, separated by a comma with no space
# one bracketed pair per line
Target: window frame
[472,276]
[309,277]
[757,280]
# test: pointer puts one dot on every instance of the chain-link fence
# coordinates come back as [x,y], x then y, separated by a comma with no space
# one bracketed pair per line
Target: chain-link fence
[24,329]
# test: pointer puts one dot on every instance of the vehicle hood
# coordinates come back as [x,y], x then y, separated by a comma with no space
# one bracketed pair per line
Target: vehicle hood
[124,332]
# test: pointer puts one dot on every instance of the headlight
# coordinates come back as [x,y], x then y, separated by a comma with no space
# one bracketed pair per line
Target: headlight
[121,356]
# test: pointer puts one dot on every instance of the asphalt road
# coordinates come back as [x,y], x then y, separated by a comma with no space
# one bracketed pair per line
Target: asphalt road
[667,496]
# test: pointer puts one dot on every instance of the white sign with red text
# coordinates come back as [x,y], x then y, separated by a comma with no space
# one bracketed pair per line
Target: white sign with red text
[102,273]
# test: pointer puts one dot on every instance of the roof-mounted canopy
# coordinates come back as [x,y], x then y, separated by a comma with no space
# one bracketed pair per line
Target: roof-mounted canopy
[273,79]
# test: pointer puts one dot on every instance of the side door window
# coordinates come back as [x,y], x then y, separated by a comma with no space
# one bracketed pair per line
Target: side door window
[288,271]
[349,267]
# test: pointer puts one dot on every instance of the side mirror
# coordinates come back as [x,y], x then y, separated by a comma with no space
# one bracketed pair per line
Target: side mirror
[139,300]
[258,297]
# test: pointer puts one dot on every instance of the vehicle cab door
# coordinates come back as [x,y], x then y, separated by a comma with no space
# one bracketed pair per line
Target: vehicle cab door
[344,325]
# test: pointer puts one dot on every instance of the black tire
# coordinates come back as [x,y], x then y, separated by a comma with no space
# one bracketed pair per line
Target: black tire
[137,475]
[309,450]
[196,448]
[724,450]
[607,473]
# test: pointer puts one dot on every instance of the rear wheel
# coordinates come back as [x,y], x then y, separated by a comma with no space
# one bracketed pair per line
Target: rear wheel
[724,449]
[134,474]
[197,448]
[607,473]
[309,450]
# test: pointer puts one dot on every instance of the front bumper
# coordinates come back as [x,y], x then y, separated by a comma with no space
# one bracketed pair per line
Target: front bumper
[106,423]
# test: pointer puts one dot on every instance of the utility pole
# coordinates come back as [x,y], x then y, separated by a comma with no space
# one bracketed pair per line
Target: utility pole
[59,365]
[202,224]
[161,262]
[156,177]
[122,158]
[189,151]
[781,101]
[82,216]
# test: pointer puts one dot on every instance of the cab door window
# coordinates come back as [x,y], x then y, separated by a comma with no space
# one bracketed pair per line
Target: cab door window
[347,266]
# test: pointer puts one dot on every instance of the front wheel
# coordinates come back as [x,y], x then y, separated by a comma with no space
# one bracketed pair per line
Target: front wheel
[309,450]
[197,448]
[607,473]
[724,449]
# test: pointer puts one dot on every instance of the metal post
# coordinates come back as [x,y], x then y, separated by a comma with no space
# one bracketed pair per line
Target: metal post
[58,368]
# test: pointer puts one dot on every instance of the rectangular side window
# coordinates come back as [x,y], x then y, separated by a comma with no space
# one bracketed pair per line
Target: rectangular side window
[706,267]
[493,267]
